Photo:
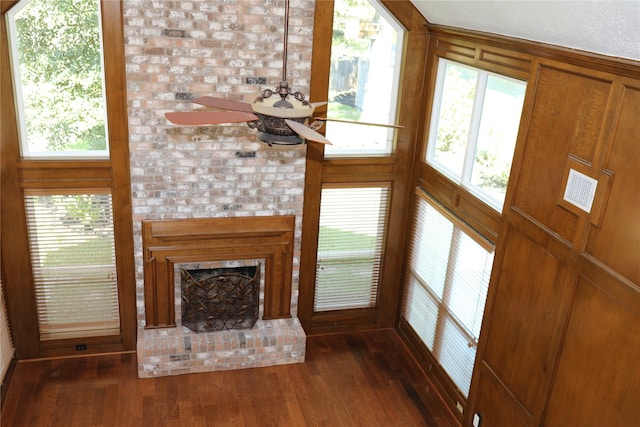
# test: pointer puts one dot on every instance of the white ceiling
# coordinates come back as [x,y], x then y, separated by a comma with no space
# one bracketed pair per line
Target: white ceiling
[609,27]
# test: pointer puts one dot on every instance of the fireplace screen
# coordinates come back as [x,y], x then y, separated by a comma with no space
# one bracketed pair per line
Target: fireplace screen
[220,298]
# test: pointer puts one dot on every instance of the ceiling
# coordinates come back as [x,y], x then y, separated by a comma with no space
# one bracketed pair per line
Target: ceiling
[608,27]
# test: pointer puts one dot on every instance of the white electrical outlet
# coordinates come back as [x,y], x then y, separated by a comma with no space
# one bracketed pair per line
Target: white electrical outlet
[476,420]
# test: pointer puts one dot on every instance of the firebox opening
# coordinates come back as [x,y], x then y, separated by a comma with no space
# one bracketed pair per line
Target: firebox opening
[220,298]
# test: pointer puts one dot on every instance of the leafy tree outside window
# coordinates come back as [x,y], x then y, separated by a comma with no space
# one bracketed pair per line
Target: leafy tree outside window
[474,126]
[56,48]
[364,78]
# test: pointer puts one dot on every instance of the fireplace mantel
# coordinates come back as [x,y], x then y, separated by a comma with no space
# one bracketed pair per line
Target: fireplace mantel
[166,243]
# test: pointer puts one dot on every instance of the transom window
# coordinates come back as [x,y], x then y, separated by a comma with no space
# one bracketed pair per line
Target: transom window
[56,50]
[474,125]
[366,54]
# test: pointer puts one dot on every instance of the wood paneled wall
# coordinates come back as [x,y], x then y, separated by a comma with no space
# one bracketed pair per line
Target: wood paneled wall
[560,338]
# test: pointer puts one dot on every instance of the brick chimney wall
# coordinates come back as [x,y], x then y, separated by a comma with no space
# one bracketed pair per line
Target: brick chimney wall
[177,50]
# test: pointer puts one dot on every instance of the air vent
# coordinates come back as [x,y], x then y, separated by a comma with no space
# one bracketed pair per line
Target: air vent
[580,190]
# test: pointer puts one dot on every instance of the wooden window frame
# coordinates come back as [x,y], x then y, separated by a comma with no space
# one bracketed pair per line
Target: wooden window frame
[377,254]
[113,175]
[436,369]
[475,121]
[394,169]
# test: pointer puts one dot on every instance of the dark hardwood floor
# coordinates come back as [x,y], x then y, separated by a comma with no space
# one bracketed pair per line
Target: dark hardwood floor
[356,379]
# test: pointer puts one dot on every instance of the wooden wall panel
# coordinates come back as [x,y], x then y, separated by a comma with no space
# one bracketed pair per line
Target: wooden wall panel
[598,377]
[495,406]
[566,119]
[526,312]
[493,58]
[558,345]
[616,241]
[559,337]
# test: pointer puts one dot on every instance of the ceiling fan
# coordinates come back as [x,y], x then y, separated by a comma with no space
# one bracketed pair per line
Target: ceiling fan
[282,117]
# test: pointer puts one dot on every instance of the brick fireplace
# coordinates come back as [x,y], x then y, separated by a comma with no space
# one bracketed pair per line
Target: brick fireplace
[166,347]
[176,51]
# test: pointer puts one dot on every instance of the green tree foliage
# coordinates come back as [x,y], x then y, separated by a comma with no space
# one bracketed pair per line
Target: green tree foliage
[455,110]
[346,47]
[492,172]
[494,148]
[59,52]
[88,213]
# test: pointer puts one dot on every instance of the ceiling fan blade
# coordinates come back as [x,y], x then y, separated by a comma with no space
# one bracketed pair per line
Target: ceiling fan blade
[306,133]
[223,104]
[324,119]
[195,118]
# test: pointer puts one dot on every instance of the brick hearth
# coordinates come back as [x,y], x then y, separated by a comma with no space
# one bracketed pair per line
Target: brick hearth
[175,351]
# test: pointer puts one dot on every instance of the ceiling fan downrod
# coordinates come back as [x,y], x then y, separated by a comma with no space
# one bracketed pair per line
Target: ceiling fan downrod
[283,88]
[286,42]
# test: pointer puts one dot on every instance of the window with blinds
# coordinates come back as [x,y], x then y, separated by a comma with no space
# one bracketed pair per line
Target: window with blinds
[6,344]
[446,287]
[350,243]
[73,257]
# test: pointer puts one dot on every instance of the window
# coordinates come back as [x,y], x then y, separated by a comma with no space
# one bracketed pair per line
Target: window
[364,77]
[446,288]
[473,131]
[73,256]
[356,191]
[61,108]
[58,78]
[350,242]
[67,192]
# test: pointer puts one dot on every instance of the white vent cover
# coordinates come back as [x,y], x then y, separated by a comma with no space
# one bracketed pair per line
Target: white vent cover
[580,190]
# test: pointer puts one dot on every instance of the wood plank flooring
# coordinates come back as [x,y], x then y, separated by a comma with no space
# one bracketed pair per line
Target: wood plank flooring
[357,379]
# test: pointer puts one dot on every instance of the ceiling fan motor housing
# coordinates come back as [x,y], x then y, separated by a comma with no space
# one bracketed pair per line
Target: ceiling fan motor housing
[274,130]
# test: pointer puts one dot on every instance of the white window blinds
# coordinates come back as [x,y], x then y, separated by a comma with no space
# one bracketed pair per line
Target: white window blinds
[73,258]
[350,242]
[6,344]
[446,287]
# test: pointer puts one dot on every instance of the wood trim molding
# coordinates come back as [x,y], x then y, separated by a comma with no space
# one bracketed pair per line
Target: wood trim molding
[166,243]
[6,5]
[526,48]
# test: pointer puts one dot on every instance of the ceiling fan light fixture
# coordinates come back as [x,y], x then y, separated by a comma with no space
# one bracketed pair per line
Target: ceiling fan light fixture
[273,114]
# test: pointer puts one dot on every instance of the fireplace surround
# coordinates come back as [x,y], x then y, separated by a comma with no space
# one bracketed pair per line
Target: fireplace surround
[165,346]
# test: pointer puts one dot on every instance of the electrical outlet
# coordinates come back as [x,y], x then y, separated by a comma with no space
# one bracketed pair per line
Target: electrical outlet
[81,347]
[476,420]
